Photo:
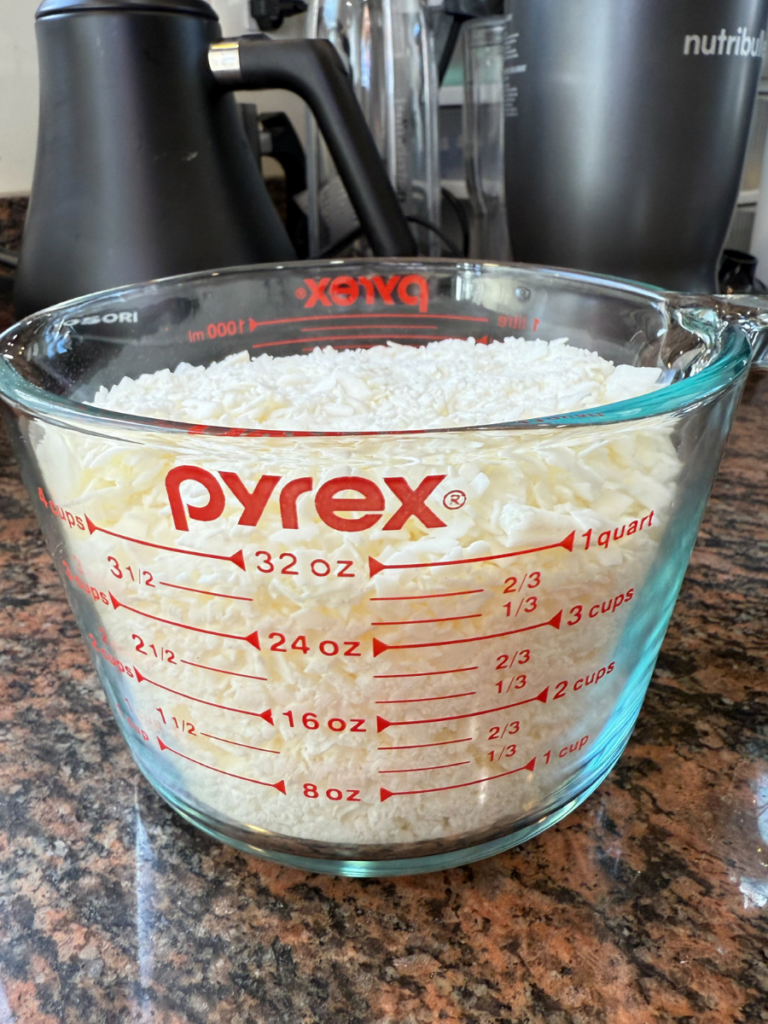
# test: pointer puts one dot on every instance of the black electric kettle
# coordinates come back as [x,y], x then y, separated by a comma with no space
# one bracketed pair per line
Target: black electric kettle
[143,169]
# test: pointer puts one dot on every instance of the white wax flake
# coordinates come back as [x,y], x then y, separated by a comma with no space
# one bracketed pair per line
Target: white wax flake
[553,533]
[387,387]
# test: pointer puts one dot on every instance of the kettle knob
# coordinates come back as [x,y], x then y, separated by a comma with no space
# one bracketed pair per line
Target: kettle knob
[196,7]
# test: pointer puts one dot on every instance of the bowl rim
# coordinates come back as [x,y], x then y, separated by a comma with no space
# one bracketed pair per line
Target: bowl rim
[728,368]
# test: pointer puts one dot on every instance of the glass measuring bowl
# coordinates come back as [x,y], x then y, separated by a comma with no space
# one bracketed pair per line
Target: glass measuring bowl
[378,653]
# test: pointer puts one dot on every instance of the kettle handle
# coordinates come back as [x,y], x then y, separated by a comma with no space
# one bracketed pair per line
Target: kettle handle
[311,68]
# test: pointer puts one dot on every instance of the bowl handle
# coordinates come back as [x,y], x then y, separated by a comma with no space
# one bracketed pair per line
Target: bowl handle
[750,314]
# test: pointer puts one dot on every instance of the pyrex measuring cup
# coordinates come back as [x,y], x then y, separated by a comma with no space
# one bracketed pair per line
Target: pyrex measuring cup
[372,653]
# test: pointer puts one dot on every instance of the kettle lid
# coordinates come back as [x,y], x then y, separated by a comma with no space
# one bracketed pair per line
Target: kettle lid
[198,7]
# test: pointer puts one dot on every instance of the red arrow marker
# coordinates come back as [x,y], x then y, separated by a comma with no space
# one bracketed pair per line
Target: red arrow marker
[246,746]
[375,566]
[385,794]
[379,646]
[252,638]
[223,671]
[280,786]
[205,593]
[427,622]
[413,675]
[428,597]
[265,715]
[431,768]
[421,700]
[237,559]
[383,723]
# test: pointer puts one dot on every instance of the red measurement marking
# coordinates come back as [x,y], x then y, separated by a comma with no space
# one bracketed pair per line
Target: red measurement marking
[379,646]
[265,715]
[413,675]
[243,778]
[383,723]
[421,700]
[375,566]
[385,794]
[238,558]
[208,593]
[253,324]
[356,327]
[252,638]
[385,336]
[432,768]
[419,746]
[428,597]
[234,743]
[425,622]
[362,337]
[223,671]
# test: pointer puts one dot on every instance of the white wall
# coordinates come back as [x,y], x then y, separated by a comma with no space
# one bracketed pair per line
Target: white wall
[18,95]
[19,88]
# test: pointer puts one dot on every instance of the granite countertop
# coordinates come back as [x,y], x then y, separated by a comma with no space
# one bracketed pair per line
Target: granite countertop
[649,904]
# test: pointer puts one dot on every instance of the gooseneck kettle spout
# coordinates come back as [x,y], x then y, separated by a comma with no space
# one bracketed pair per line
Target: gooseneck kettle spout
[143,169]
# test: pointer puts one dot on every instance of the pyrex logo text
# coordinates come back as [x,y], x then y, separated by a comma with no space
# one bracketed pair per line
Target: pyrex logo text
[410,289]
[331,498]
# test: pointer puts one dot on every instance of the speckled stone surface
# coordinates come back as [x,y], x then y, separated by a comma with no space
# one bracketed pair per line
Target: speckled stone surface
[648,905]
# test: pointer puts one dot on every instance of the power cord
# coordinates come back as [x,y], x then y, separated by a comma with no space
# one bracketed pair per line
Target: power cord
[8,258]
[461,217]
[452,249]
[343,243]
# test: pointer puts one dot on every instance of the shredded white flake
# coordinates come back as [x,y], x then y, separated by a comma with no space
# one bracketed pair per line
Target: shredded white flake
[287,736]
[387,387]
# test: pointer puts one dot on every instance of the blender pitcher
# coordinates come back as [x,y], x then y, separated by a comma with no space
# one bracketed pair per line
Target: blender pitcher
[387,49]
[483,127]
[626,125]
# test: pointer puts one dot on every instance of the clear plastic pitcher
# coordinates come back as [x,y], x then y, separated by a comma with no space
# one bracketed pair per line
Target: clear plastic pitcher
[387,48]
[483,125]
